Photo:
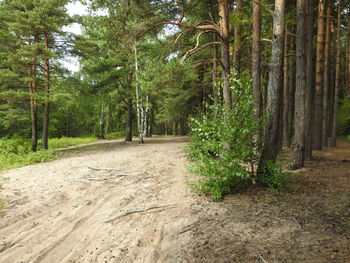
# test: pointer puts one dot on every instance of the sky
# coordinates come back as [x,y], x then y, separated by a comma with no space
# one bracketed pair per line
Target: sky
[77,8]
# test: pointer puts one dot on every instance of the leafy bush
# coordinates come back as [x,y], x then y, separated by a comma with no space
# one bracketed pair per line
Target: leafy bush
[16,152]
[343,117]
[222,149]
[274,177]
[63,142]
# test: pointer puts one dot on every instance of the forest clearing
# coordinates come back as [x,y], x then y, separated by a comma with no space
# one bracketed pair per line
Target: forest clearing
[57,211]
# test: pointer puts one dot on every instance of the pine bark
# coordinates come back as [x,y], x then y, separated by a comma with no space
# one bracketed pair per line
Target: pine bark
[325,110]
[317,129]
[274,96]
[310,76]
[128,100]
[237,38]
[333,140]
[45,135]
[225,52]
[286,93]
[33,112]
[256,62]
[298,146]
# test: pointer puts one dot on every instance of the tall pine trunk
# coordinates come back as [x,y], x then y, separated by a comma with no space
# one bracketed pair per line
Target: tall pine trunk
[325,110]
[286,93]
[237,38]
[33,111]
[274,93]
[310,77]
[333,140]
[256,62]
[225,52]
[317,129]
[128,100]
[300,124]
[45,135]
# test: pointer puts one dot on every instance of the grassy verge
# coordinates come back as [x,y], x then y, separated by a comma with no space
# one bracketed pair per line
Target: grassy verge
[16,152]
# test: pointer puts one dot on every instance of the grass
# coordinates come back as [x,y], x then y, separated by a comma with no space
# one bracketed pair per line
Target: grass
[16,152]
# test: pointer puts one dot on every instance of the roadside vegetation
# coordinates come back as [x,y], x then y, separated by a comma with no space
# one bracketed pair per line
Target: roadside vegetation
[16,152]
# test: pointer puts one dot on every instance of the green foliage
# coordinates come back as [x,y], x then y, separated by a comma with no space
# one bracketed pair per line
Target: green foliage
[16,152]
[222,149]
[343,117]
[63,142]
[274,177]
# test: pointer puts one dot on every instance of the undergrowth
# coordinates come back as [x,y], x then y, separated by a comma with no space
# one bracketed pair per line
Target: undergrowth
[222,149]
[16,152]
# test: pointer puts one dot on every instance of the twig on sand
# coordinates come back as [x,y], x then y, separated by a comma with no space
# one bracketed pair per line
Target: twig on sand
[137,210]
[263,260]
[262,212]
[102,169]
[270,216]
[296,221]
[106,177]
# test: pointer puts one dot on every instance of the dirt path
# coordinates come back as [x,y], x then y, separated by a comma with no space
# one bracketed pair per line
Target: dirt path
[120,202]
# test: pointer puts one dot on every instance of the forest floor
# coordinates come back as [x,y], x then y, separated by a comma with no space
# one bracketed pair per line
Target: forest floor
[125,202]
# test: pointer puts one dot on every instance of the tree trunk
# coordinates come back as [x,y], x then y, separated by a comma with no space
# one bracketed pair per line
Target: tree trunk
[33,112]
[256,62]
[237,38]
[286,93]
[331,80]
[300,124]
[310,17]
[292,77]
[326,80]
[45,135]
[225,52]
[333,140]
[317,129]
[128,130]
[348,59]
[272,129]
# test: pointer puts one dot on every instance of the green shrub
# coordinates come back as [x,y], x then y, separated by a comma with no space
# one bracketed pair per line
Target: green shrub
[222,149]
[343,117]
[63,142]
[16,152]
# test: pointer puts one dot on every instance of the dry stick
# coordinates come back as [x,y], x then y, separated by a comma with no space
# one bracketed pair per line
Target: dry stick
[102,169]
[136,210]
[106,178]
[262,258]
[296,221]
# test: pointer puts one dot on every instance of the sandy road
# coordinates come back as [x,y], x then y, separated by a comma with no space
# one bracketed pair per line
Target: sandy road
[119,202]
[56,211]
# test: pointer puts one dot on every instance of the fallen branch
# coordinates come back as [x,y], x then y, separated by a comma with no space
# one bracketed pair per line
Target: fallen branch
[270,216]
[137,210]
[102,169]
[105,178]
[296,221]
[263,260]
